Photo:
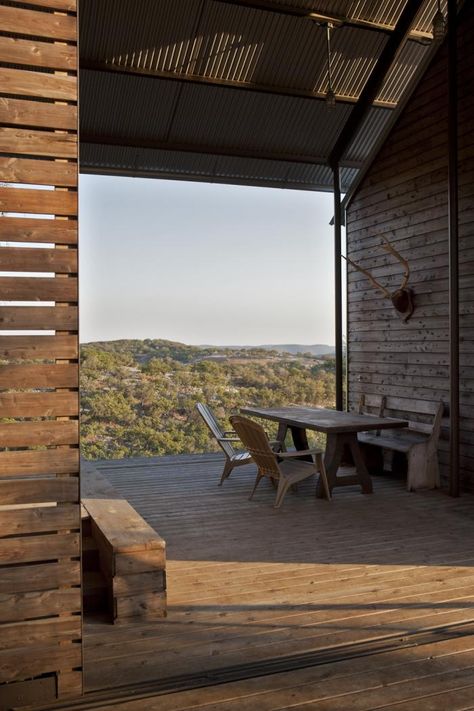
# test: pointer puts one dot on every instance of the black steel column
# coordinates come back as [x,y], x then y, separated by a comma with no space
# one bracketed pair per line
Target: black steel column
[338,289]
[453,250]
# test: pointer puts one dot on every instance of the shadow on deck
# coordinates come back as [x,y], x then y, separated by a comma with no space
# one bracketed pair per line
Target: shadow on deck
[252,588]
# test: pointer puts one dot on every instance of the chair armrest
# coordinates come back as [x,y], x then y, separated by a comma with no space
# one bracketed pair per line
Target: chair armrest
[228,439]
[229,433]
[299,453]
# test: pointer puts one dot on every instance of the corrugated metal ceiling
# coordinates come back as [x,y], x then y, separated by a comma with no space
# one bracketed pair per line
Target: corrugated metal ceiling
[218,90]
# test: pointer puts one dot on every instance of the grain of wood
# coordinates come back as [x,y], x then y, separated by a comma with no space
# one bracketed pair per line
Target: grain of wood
[27,259]
[37,24]
[31,549]
[33,433]
[39,462]
[38,172]
[40,54]
[23,318]
[20,82]
[24,229]
[39,376]
[36,114]
[37,519]
[45,347]
[56,202]
[38,143]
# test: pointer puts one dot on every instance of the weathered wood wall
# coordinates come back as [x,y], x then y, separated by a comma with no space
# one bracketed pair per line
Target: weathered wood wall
[40,583]
[404,197]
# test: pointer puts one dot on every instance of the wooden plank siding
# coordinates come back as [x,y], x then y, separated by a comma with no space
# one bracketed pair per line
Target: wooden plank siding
[40,572]
[404,197]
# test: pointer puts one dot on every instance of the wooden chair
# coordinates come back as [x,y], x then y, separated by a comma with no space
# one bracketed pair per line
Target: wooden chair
[225,441]
[287,472]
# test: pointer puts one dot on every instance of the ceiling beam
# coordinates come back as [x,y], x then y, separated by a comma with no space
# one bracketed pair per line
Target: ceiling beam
[323,17]
[376,79]
[86,169]
[108,68]
[122,142]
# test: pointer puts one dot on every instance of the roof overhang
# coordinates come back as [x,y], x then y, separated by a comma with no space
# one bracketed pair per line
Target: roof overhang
[234,91]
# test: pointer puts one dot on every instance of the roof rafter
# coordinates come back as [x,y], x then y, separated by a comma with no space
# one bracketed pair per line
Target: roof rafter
[376,79]
[107,67]
[128,142]
[323,17]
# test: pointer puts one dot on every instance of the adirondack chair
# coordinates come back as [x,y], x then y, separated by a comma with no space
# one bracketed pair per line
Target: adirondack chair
[281,467]
[225,441]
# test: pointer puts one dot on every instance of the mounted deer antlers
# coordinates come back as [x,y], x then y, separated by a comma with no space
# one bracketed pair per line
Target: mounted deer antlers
[402,298]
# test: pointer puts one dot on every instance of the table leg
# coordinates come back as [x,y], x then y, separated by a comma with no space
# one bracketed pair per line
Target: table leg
[332,460]
[362,472]
[300,440]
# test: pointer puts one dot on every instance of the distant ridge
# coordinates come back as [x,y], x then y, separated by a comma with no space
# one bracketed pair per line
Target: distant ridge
[160,344]
[293,348]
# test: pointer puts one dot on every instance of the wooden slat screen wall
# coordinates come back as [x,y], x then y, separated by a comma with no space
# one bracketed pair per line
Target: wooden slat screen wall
[40,578]
[404,197]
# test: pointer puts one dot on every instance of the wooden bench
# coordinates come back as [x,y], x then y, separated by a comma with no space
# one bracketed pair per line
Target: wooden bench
[132,555]
[418,442]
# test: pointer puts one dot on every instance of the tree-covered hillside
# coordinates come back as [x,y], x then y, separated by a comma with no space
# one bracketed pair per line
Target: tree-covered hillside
[138,397]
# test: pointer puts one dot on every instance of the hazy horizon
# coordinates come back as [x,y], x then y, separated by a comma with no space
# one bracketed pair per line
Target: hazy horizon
[209,345]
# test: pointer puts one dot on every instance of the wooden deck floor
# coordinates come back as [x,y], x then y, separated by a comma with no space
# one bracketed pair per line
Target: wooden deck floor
[371,594]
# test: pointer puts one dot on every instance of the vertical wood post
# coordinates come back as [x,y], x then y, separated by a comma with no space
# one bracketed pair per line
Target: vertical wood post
[338,289]
[453,219]
[40,568]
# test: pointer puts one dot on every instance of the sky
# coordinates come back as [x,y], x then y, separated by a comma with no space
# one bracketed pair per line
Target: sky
[204,263]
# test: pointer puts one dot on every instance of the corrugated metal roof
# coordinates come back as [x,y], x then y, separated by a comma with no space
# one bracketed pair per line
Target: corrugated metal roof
[222,90]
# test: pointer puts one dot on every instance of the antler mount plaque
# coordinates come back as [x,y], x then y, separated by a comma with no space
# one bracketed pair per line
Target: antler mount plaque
[403,297]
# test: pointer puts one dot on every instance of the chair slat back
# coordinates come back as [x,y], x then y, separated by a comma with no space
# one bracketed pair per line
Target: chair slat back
[211,422]
[255,440]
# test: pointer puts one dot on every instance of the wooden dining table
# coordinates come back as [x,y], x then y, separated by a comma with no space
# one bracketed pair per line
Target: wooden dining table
[341,429]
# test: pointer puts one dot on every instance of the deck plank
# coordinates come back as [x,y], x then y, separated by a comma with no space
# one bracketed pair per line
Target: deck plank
[247,583]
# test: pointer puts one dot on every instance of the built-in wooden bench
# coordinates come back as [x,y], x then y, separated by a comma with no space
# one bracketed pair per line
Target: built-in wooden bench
[132,555]
[418,442]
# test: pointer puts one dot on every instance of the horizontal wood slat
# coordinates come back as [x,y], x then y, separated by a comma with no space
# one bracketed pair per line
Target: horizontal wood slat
[38,519]
[58,202]
[63,318]
[31,549]
[27,229]
[37,24]
[61,375]
[55,404]
[40,604]
[38,462]
[38,143]
[38,172]
[37,114]
[38,491]
[17,347]
[17,663]
[21,82]
[30,434]
[39,54]
[56,630]
[39,289]
[29,259]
